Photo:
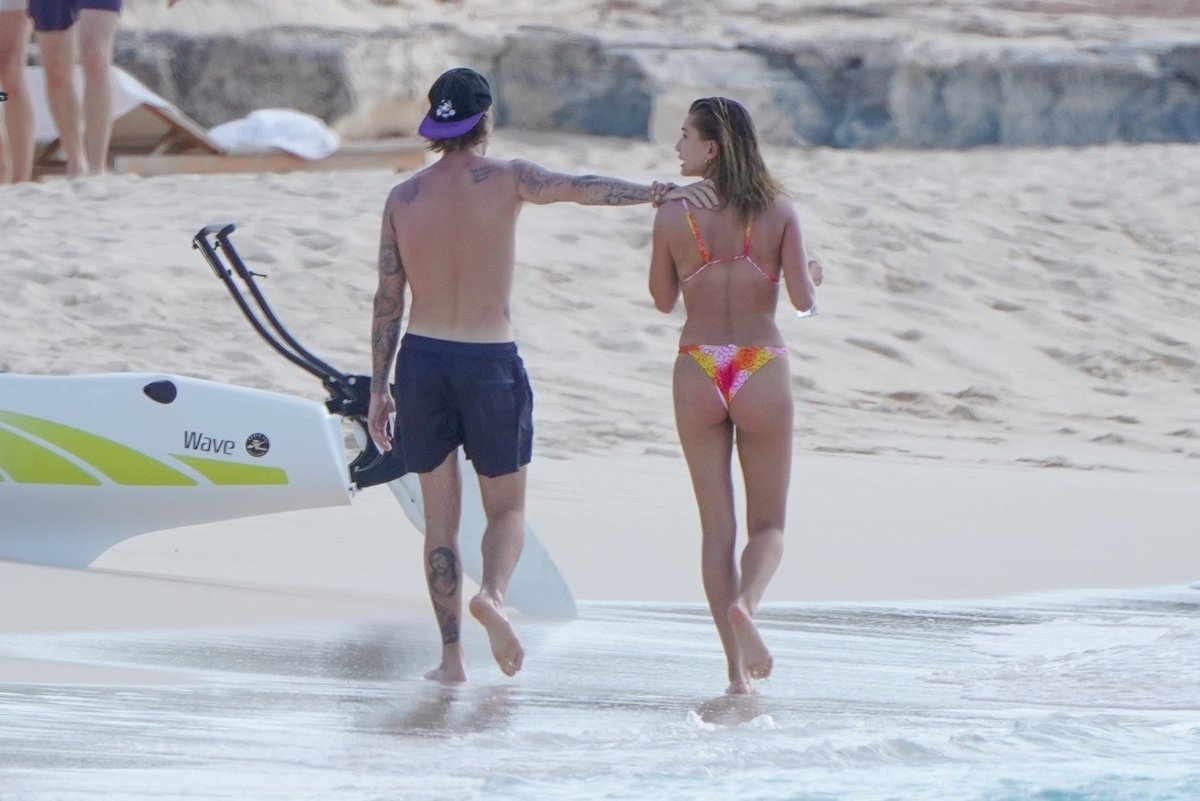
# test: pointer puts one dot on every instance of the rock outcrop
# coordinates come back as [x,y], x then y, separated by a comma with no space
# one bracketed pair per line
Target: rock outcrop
[846,92]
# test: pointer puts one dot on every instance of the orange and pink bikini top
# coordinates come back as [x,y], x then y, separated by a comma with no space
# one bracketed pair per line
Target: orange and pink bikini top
[708,259]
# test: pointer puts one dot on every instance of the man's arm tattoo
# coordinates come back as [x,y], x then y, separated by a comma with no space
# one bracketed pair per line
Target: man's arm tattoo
[603,191]
[592,190]
[388,310]
[389,258]
[384,338]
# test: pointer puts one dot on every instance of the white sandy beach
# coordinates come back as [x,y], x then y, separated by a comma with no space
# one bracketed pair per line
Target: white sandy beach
[1000,393]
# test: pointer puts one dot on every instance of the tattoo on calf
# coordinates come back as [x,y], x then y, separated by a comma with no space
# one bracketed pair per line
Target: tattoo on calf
[443,580]
[448,625]
[443,572]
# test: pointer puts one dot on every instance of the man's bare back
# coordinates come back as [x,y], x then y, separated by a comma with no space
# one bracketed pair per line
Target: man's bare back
[455,227]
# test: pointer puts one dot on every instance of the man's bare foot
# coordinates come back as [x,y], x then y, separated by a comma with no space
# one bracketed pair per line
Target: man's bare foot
[506,648]
[447,674]
[755,657]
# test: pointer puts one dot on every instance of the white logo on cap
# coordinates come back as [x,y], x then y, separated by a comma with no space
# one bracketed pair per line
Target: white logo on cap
[445,109]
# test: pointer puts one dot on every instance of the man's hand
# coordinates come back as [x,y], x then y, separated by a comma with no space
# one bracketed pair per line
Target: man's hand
[379,420]
[658,192]
[701,193]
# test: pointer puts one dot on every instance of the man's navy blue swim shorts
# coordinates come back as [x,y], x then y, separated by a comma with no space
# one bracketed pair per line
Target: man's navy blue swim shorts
[463,393]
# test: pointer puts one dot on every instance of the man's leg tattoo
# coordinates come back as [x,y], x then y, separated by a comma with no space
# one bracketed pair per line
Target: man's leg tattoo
[443,591]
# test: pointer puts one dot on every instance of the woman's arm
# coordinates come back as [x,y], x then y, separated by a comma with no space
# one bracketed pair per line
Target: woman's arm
[664,279]
[802,292]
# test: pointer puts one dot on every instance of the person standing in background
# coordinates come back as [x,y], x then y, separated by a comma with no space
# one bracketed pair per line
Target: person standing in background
[16,134]
[84,31]
[68,31]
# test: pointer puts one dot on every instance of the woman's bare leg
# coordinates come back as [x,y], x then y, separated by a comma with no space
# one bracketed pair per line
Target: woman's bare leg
[707,439]
[762,411]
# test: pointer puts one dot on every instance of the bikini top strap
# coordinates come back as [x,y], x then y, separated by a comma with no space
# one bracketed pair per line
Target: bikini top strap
[691,221]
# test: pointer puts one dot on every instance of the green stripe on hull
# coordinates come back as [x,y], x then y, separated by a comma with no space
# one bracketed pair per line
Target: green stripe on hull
[233,473]
[28,463]
[119,462]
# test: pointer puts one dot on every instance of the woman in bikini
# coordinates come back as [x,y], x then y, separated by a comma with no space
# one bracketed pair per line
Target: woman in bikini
[731,381]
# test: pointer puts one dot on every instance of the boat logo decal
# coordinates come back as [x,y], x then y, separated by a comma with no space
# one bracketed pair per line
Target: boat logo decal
[258,445]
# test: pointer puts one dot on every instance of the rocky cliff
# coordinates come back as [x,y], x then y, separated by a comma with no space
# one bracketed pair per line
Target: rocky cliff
[851,90]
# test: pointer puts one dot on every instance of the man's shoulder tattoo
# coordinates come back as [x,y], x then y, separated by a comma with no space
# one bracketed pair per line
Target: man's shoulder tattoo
[409,190]
[481,174]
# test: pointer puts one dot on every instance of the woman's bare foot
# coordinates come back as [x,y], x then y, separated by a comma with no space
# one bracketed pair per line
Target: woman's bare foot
[755,657]
[739,686]
[506,648]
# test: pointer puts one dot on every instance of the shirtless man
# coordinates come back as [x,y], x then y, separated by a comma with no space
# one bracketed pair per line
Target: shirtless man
[449,233]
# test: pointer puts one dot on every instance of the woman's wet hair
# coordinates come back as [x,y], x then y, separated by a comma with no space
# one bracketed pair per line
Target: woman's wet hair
[738,171]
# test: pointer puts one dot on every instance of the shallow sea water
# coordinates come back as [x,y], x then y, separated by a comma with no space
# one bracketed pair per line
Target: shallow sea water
[1063,697]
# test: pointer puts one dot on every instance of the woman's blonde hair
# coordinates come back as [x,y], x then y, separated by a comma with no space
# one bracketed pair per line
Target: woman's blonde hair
[740,176]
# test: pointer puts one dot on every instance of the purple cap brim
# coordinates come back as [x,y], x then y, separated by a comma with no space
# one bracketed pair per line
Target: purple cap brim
[432,129]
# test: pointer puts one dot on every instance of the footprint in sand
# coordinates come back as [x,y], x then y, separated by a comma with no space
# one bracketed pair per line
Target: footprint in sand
[319,241]
[877,347]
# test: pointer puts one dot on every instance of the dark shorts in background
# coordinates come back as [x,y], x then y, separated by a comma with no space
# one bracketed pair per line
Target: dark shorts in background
[58,15]
[476,395]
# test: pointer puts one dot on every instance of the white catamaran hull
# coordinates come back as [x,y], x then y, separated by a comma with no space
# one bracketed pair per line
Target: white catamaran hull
[88,461]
